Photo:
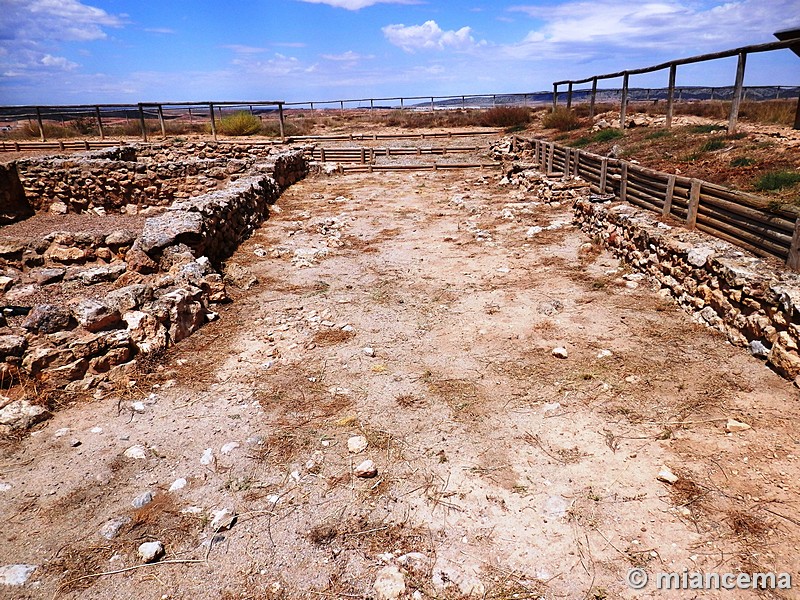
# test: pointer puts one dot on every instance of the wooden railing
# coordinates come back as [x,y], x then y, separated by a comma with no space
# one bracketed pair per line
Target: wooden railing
[365,155]
[742,53]
[743,219]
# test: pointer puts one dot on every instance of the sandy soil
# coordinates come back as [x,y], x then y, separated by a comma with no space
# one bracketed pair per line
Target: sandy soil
[504,471]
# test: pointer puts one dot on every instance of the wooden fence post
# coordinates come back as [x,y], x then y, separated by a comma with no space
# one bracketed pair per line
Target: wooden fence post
[603,175]
[793,260]
[161,121]
[555,96]
[576,169]
[551,147]
[569,96]
[593,98]
[567,157]
[624,103]
[694,204]
[668,196]
[99,123]
[41,125]
[142,122]
[281,124]
[432,108]
[737,93]
[213,121]
[797,114]
[623,182]
[673,68]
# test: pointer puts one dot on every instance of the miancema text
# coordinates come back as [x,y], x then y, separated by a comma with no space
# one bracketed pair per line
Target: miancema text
[695,580]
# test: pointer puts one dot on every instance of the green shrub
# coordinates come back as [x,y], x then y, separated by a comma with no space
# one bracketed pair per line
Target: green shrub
[712,145]
[742,161]
[561,119]
[606,135]
[239,123]
[581,142]
[662,133]
[776,180]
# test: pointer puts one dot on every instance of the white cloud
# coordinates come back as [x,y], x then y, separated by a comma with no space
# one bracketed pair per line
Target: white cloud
[160,30]
[58,62]
[429,36]
[241,49]
[31,32]
[358,4]
[348,56]
[658,25]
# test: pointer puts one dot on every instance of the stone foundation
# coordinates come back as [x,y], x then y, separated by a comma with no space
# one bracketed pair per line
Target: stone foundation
[125,293]
[755,302]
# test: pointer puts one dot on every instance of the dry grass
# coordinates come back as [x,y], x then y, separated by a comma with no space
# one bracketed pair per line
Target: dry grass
[410,401]
[332,336]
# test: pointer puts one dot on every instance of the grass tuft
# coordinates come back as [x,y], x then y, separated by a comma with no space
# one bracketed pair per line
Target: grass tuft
[606,135]
[240,123]
[777,180]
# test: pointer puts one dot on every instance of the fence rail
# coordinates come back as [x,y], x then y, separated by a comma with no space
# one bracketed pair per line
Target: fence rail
[743,219]
[792,44]
[366,155]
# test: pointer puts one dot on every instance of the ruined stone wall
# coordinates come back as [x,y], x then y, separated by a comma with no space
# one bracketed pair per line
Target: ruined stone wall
[143,290]
[755,302]
[127,178]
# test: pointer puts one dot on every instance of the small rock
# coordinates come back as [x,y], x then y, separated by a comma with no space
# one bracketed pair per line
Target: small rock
[758,349]
[138,407]
[137,452]
[733,426]
[366,470]
[142,500]
[178,484]
[229,447]
[604,354]
[223,519]
[632,379]
[112,527]
[61,432]
[151,551]
[390,584]
[560,352]
[47,318]
[16,574]
[550,406]
[368,351]
[666,475]
[357,444]
[207,458]
[21,414]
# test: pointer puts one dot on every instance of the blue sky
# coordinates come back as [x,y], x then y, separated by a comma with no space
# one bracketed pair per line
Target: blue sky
[74,51]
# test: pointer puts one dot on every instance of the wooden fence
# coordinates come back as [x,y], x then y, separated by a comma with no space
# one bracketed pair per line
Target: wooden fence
[369,168]
[365,155]
[793,43]
[743,219]
[6,146]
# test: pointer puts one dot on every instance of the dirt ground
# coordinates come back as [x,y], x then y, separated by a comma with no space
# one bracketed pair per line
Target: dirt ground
[412,309]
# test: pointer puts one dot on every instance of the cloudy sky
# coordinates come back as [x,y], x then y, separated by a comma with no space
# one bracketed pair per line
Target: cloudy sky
[73,51]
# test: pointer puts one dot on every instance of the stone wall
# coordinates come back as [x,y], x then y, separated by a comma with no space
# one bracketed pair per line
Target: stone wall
[141,291]
[125,179]
[755,302]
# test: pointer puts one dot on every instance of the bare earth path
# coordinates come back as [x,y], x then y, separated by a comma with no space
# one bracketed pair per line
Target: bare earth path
[502,471]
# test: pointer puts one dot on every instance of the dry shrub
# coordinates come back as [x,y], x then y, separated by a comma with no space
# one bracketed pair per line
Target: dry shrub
[506,116]
[561,119]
